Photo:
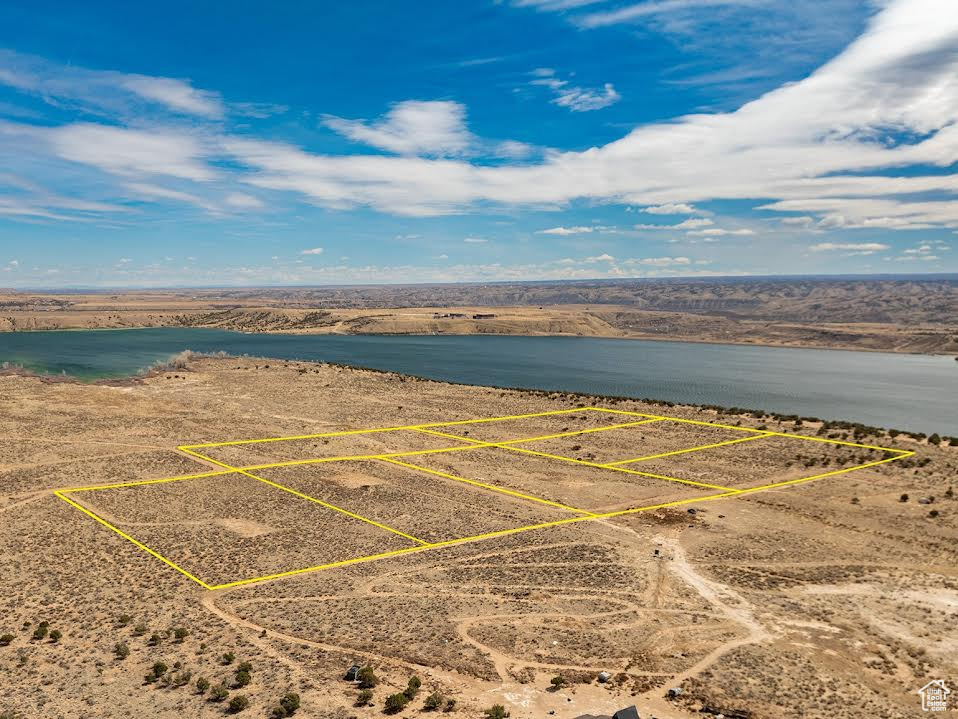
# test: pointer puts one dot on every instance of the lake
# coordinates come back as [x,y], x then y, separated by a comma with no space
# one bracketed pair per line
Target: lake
[912,392]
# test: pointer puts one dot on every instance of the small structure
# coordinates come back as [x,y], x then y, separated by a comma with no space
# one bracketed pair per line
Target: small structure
[352,674]
[627,713]
[483,316]
[604,677]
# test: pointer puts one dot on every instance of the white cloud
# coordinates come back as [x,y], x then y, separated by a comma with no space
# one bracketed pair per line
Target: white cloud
[637,11]
[849,246]
[671,208]
[313,251]
[576,230]
[689,224]
[475,241]
[123,151]
[779,145]
[157,192]
[818,146]
[242,201]
[104,91]
[803,221]
[176,95]
[577,99]
[412,127]
[604,257]
[719,232]
[660,261]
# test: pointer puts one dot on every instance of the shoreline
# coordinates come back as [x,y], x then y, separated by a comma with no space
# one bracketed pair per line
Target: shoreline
[638,337]
[744,412]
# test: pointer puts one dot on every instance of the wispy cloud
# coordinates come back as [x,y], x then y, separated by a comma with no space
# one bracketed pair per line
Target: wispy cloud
[312,251]
[412,127]
[577,230]
[849,247]
[670,208]
[105,91]
[577,99]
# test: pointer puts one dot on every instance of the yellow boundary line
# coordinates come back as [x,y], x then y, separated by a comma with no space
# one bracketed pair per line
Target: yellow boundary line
[610,465]
[472,444]
[492,487]
[748,429]
[312,499]
[386,429]
[542,525]
[126,536]
[580,461]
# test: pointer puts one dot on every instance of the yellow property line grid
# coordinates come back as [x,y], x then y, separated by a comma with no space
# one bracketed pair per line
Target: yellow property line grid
[470,444]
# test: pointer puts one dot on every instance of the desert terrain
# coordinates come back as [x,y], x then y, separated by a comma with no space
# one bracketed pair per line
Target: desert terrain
[895,315]
[500,563]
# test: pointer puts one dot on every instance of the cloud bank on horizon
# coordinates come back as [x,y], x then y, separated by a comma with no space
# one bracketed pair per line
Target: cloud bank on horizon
[847,167]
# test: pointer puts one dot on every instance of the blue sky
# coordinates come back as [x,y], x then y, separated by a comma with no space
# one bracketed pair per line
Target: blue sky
[373,142]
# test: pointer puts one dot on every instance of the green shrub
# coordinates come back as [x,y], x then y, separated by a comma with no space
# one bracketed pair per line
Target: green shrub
[412,689]
[202,684]
[244,667]
[433,701]
[56,635]
[290,703]
[278,713]
[238,703]
[181,633]
[364,697]
[367,678]
[154,639]
[139,630]
[124,620]
[41,631]
[228,658]
[219,693]
[903,498]
[160,668]
[6,639]
[557,682]
[241,679]
[496,711]
[121,650]
[395,703]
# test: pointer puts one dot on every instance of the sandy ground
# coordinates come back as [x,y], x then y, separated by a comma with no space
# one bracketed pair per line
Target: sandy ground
[831,598]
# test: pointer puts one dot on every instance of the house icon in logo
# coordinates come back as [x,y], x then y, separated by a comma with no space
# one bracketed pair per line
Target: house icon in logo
[934,696]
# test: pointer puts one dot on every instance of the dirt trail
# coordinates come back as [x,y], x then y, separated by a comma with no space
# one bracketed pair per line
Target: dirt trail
[735,608]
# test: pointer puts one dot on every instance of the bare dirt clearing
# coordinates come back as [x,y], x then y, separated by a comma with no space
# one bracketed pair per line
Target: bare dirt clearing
[831,598]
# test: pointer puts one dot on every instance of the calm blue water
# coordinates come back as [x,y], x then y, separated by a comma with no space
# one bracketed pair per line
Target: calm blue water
[890,390]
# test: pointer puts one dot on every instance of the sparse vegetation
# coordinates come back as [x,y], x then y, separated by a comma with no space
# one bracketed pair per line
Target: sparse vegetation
[367,678]
[412,688]
[238,703]
[395,703]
